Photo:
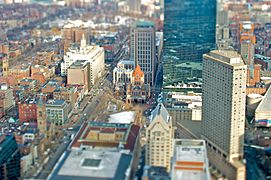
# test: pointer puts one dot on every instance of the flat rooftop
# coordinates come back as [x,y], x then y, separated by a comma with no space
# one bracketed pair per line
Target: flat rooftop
[94,164]
[190,160]
[55,102]
[190,150]
[226,56]
[78,64]
[265,104]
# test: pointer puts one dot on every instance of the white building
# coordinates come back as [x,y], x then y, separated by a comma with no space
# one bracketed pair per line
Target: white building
[123,72]
[92,54]
[223,111]
[190,160]
[263,111]
[184,106]
[159,135]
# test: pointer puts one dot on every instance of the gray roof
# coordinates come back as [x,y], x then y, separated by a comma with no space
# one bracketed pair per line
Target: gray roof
[160,110]
[112,166]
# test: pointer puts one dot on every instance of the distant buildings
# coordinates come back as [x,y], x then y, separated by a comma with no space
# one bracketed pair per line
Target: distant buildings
[94,55]
[159,137]
[78,74]
[6,97]
[134,6]
[190,160]
[189,32]
[122,74]
[9,158]
[143,49]
[137,90]
[223,111]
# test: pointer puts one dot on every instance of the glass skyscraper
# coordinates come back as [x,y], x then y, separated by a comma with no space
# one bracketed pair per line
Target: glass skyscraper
[189,32]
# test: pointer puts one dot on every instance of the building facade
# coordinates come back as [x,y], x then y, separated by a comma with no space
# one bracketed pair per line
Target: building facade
[78,74]
[143,48]
[189,32]
[27,110]
[160,135]
[57,111]
[9,158]
[6,97]
[137,90]
[223,111]
[92,54]
[123,72]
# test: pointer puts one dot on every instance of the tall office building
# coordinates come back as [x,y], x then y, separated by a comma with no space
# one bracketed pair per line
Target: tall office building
[223,111]
[143,48]
[160,135]
[9,158]
[189,31]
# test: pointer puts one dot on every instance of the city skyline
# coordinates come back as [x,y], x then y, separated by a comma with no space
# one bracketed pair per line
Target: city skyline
[135,89]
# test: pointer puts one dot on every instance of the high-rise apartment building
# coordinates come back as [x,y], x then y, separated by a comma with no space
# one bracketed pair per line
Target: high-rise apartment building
[160,135]
[143,48]
[189,32]
[9,158]
[223,111]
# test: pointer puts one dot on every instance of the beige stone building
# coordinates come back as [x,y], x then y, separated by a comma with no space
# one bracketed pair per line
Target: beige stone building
[79,74]
[159,135]
[223,112]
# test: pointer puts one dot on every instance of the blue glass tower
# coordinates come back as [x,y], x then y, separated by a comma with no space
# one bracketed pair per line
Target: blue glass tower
[189,32]
[9,158]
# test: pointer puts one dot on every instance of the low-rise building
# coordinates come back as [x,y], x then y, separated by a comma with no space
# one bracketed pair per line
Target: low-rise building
[93,164]
[107,135]
[183,106]
[57,111]
[27,109]
[190,160]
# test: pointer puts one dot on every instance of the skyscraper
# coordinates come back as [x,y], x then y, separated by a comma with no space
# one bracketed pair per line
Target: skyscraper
[223,111]
[160,135]
[143,48]
[189,32]
[9,158]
